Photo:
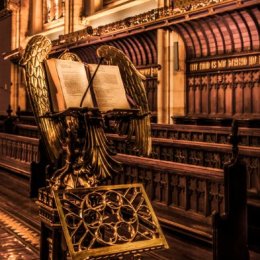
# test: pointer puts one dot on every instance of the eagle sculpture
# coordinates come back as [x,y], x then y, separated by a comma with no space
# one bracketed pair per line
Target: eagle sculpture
[78,136]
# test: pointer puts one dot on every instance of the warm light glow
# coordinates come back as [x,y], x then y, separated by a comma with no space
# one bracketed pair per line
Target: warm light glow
[48,4]
[119,12]
[54,9]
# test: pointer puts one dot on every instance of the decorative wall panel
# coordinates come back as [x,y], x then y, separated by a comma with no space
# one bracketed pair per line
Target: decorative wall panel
[224,93]
[222,54]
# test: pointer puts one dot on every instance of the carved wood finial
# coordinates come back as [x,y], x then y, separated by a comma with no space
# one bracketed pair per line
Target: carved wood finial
[9,111]
[18,112]
[234,139]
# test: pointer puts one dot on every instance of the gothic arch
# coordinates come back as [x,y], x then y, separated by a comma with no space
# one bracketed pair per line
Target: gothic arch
[232,32]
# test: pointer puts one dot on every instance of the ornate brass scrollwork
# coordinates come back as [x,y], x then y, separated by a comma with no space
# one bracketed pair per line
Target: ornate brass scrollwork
[108,221]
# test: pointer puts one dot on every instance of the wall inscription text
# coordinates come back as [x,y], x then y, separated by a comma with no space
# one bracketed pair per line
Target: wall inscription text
[226,63]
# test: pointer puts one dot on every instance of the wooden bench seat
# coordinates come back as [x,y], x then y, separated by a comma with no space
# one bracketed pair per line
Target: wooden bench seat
[178,192]
[190,199]
[18,152]
[21,155]
[200,133]
[212,134]
[26,130]
[185,197]
[199,153]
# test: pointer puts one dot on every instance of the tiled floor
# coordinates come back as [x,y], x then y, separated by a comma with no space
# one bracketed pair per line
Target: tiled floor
[20,228]
[11,248]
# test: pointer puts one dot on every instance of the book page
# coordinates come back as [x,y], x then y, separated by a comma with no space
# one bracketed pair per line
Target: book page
[55,89]
[108,88]
[74,82]
[67,84]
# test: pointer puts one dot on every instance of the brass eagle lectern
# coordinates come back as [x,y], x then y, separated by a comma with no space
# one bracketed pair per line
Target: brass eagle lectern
[96,221]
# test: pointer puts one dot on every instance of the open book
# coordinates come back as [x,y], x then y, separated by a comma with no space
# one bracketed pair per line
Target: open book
[68,81]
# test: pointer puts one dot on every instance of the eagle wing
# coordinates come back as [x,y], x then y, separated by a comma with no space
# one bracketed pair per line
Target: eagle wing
[51,131]
[140,126]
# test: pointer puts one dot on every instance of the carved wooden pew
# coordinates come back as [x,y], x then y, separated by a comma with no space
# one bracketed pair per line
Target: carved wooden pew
[212,134]
[26,130]
[187,198]
[19,125]
[21,155]
[199,153]
[196,145]
[210,155]
[179,192]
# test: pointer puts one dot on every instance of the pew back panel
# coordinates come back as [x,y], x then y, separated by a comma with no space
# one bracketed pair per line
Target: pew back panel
[200,153]
[178,192]
[202,202]
[18,152]
[211,134]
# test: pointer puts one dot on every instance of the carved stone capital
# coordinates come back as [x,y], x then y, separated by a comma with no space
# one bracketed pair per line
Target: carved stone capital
[13,5]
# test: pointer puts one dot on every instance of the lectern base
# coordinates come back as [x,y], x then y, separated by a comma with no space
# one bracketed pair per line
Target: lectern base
[105,222]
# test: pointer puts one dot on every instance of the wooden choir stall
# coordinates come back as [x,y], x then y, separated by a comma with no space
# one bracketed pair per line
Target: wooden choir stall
[217,197]
[141,130]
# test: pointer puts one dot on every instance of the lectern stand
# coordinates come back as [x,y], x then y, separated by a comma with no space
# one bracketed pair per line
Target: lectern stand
[80,218]
[105,222]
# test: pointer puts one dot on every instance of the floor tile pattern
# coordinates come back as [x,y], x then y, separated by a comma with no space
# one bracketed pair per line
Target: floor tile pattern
[11,248]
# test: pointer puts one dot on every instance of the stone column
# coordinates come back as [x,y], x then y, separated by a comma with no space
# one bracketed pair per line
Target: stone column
[73,12]
[5,66]
[19,30]
[162,3]
[171,86]
[36,16]
[14,6]
[163,76]
[93,6]
[178,78]
[67,19]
